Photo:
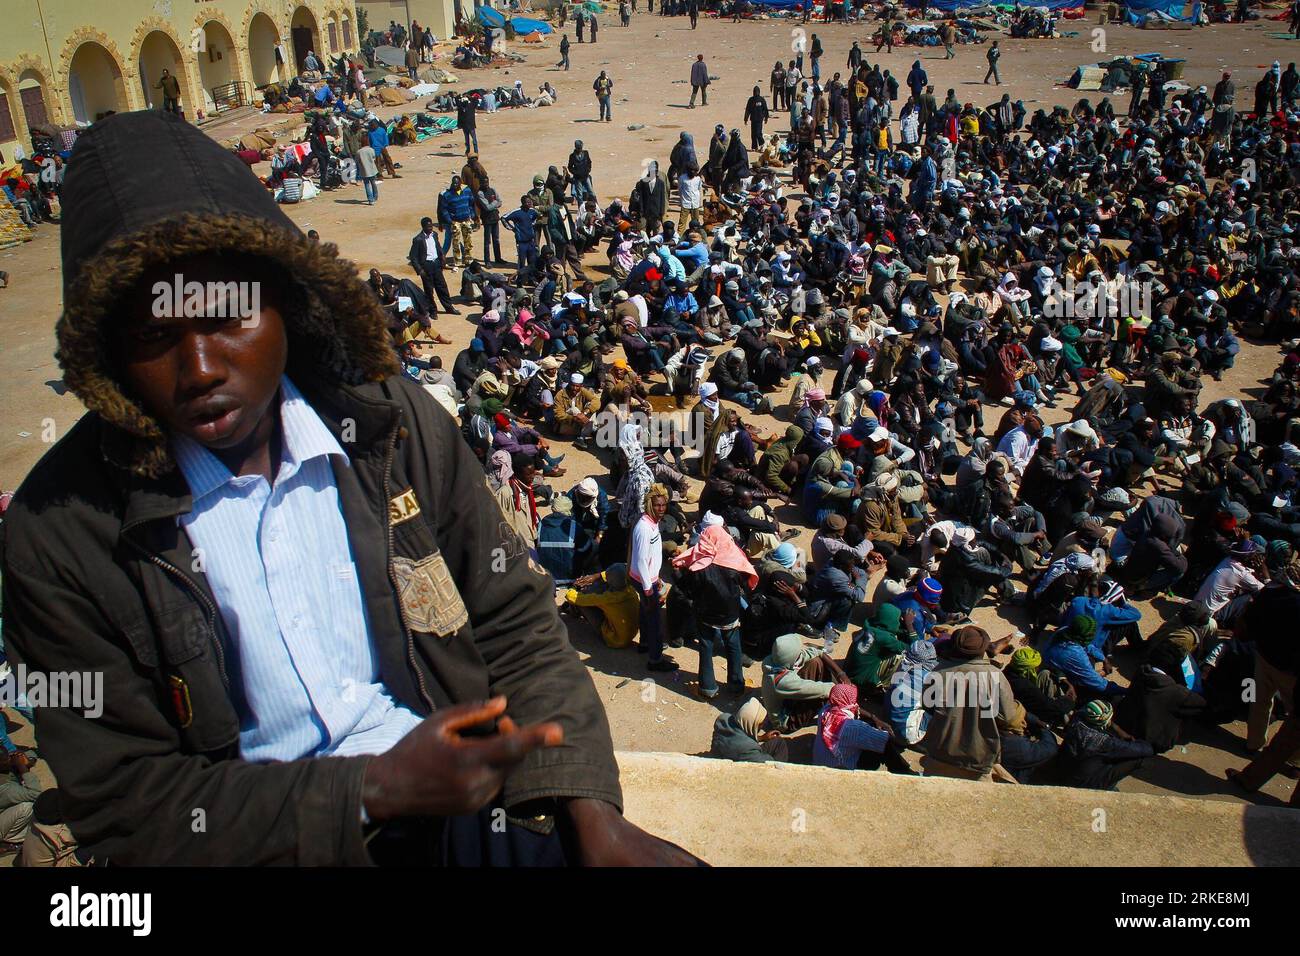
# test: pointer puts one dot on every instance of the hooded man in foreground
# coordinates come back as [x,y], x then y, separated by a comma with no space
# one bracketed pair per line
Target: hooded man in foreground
[313,624]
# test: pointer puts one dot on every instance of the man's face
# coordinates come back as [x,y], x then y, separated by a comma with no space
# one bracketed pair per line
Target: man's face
[658,507]
[210,378]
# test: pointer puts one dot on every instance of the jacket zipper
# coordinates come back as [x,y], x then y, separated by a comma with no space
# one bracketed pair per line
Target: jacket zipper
[392,577]
[210,609]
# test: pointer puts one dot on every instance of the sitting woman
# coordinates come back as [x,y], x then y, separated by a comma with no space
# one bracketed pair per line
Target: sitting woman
[848,739]
[741,737]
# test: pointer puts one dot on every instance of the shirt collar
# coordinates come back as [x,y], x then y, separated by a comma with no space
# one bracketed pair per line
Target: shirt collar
[304,437]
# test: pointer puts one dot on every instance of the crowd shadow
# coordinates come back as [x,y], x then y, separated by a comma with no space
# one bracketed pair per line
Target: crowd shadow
[627,663]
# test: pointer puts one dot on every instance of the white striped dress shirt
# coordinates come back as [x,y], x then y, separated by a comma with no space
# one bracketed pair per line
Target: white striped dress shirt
[279,563]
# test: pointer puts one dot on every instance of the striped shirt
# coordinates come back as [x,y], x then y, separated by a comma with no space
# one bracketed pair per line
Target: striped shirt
[280,565]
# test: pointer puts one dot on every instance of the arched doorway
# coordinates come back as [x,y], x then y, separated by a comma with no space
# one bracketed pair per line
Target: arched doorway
[31,90]
[10,109]
[158,52]
[265,57]
[218,61]
[95,84]
[305,36]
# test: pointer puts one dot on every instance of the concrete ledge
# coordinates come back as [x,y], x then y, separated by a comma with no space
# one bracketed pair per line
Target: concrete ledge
[738,814]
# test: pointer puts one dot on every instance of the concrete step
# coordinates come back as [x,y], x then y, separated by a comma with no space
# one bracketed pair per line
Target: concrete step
[742,814]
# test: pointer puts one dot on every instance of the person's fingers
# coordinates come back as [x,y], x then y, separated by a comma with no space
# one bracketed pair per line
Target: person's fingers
[457,718]
[502,752]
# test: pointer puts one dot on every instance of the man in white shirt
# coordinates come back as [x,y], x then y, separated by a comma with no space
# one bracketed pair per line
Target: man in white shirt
[690,189]
[1021,442]
[647,559]
[1229,587]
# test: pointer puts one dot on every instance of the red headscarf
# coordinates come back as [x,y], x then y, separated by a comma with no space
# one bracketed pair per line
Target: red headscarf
[716,547]
[842,706]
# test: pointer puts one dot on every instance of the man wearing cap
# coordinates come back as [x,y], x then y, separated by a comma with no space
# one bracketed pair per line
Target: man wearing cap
[920,605]
[575,407]
[881,517]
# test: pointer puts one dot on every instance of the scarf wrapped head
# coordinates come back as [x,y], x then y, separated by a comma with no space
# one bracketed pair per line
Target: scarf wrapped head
[785,555]
[1076,562]
[752,717]
[1025,663]
[715,546]
[920,656]
[491,407]
[1082,629]
[636,480]
[500,469]
[840,707]
[1098,714]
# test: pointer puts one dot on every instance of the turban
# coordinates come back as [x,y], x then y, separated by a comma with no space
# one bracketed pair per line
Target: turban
[711,520]
[816,394]
[1082,629]
[785,555]
[1099,714]
[1025,662]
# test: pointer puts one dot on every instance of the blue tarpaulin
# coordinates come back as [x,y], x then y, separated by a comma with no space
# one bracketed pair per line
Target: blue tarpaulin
[489,17]
[949,5]
[1140,10]
[524,26]
[778,4]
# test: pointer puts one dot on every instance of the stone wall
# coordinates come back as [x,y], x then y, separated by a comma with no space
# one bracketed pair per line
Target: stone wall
[736,814]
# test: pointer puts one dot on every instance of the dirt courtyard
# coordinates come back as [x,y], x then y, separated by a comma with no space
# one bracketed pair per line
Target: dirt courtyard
[649,64]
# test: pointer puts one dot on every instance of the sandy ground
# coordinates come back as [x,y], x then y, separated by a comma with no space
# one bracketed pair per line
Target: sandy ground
[649,63]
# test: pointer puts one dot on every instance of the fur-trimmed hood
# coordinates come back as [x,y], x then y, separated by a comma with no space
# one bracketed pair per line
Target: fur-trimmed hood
[145,188]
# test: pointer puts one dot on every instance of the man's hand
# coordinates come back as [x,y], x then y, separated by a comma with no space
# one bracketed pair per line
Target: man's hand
[434,771]
[606,838]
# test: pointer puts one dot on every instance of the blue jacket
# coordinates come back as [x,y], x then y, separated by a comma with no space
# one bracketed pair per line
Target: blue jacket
[562,546]
[1106,616]
[925,619]
[523,223]
[1074,661]
[456,206]
[378,138]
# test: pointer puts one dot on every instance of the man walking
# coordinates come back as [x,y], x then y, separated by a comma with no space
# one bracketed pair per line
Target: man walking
[948,34]
[699,81]
[171,91]
[993,55]
[604,87]
[425,258]
[564,53]
[467,123]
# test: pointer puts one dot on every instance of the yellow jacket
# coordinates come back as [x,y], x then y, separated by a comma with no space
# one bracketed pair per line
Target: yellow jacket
[621,610]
